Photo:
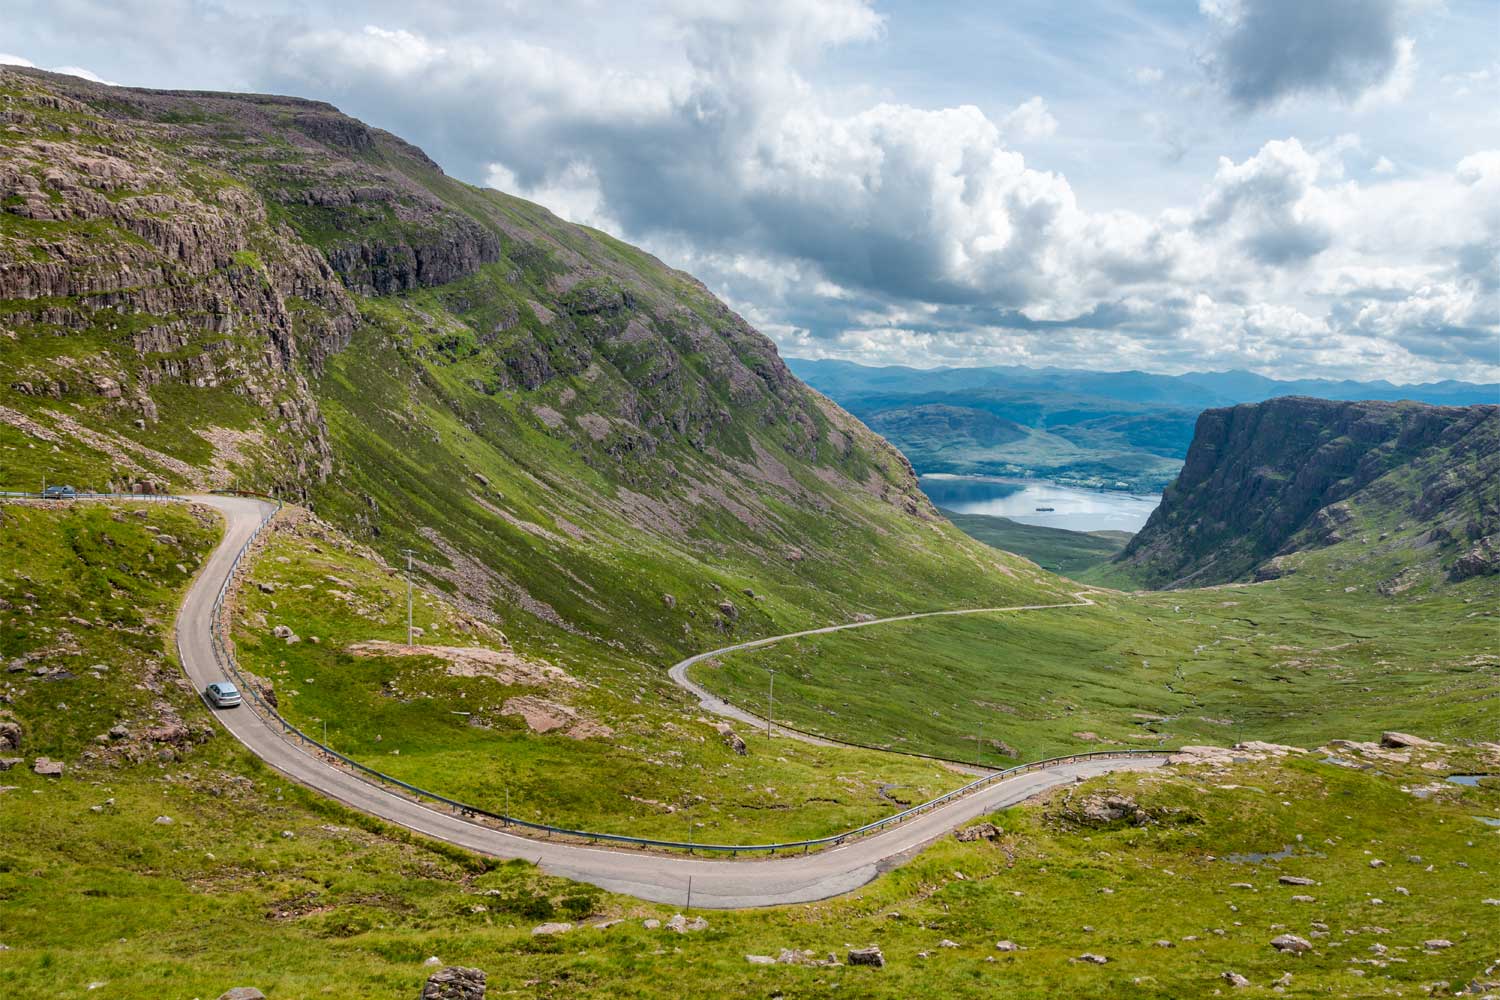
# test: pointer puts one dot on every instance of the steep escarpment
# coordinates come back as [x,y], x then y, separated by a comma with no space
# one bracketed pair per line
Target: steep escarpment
[219,289]
[1266,480]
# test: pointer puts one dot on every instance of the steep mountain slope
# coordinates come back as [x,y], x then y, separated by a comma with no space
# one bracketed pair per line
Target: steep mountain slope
[214,289]
[1266,480]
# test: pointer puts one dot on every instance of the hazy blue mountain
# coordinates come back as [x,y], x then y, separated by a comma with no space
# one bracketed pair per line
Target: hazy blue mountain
[1119,429]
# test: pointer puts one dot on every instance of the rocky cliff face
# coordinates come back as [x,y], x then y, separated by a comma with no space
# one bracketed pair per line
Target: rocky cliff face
[1265,480]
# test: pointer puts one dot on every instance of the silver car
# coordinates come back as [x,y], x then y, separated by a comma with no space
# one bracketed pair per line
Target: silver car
[222,694]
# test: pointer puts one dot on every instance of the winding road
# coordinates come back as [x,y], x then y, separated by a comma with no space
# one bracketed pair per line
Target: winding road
[719,884]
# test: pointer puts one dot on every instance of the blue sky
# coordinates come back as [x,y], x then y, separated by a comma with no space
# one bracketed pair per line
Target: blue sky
[1290,187]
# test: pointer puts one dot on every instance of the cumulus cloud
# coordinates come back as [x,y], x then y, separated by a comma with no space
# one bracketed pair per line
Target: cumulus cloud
[1271,204]
[1031,120]
[1270,50]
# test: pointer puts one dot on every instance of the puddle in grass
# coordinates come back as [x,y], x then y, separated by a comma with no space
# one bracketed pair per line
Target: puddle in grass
[1489,820]
[1469,780]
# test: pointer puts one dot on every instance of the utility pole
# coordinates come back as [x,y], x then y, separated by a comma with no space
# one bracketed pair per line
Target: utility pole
[770,703]
[409,642]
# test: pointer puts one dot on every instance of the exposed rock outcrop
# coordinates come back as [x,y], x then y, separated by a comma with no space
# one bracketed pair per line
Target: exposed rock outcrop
[1263,480]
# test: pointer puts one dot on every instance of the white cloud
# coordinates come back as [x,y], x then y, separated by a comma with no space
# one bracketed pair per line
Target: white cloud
[7,59]
[1031,120]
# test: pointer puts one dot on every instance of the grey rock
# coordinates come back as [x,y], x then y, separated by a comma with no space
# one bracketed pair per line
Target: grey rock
[1296,880]
[551,929]
[1090,958]
[1291,943]
[1235,979]
[867,956]
[455,983]
[47,767]
[242,993]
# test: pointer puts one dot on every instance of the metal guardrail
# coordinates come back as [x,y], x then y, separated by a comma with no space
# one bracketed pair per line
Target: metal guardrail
[225,656]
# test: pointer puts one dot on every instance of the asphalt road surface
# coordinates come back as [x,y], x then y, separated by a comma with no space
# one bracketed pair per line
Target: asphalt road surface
[720,884]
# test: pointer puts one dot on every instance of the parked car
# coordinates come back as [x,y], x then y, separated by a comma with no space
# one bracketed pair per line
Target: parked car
[59,493]
[222,694]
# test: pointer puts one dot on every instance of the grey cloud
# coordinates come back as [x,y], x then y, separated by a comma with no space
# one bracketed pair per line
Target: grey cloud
[1269,50]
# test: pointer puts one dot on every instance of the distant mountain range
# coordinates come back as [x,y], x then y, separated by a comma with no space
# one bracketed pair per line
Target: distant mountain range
[1123,430]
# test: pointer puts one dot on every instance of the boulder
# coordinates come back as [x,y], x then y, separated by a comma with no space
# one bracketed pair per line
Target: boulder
[1101,810]
[1235,979]
[10,735]
[732,739]
[242,993]
[1291,943]
[6,763]
[551,929]
[760,959]
[1437,944]
[1090,958]
[867,956]
[47,767]
[651,923]
[454,983]
[980,831]
[1007,946]
[1273,569]
[728,609]
[1295,880]
[682,925]
[1406,741]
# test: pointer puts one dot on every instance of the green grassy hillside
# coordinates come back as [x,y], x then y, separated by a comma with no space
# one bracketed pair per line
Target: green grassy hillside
[254,882]
[1054,549]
